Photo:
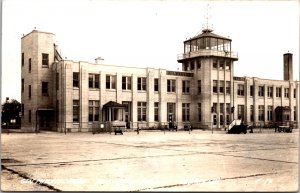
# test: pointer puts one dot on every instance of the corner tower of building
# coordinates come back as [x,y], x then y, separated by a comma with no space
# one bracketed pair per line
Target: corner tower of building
[210,58]
[37,57]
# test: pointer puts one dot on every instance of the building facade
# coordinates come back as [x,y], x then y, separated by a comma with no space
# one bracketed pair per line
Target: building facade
[65,95]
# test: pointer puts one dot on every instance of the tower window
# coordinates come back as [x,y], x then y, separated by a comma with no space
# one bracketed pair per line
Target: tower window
[22,84]
[45,88]
[221,86]
[45,60]
[29,116]
[227,65]
[295,92]
[199,112]
[22,59]
[29,64]
[215,86]
[228,87]
[198,64]
[215,64]
[29,91]
[221,65]
[199,86]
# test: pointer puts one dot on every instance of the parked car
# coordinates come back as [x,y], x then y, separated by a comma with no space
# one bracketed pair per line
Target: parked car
[238,129]
[118,130]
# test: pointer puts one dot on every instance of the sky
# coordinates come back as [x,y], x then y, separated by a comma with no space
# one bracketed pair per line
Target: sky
[142,33]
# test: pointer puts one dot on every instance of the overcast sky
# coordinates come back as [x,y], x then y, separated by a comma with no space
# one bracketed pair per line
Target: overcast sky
[151,33]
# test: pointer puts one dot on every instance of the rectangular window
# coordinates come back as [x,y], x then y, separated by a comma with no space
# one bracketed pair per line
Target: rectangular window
[45,89]
[227,119]
[156,111]
[286,92]
[214,110]
[76,111]
[142,111]
[29,65]
[199,112]
[57,81]
[227,108]
[22,85]
[221,65]
[156,87]
[295,113]
[199,86]
[94,80]
[75,79]
[270,91]
[22,59]
[221,86]
[278,91]
[295,93]
[221,107]
[215,64]
[185,112]
[29,91]
[251,113]
[227,65]
[45,60]
[171,113]
[251,90]
[228,87]
[192,65]
[221,119]
[111,81]
[215,86]
[186,86]
[198,64]
[29,116]
[142,84]
[261,113]
[240,90]
[261,91]
[93,110]
[171,85]
[126,83]
[241,112]
[270,113]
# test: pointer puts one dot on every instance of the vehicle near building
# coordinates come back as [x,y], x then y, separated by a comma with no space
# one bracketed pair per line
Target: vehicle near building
[282,122]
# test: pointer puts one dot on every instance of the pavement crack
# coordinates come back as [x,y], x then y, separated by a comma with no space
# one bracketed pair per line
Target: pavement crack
[26,177]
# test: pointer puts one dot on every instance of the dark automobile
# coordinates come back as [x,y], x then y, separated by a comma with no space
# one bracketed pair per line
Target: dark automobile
[118,130]
[237,129]
[172,126]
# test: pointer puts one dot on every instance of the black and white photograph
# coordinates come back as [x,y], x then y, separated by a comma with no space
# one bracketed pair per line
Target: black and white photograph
[158,95]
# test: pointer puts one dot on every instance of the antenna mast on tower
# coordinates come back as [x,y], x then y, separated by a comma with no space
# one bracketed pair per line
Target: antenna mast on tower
[207,27]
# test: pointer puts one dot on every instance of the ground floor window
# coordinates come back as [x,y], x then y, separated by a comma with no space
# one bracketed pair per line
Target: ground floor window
[270,113]
[171,111]
[94,111]
[156,111]
[261,113]
[75,110]
[142,111]
[185,112]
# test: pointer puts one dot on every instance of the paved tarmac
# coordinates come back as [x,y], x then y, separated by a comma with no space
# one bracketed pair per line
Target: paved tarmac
[150,161]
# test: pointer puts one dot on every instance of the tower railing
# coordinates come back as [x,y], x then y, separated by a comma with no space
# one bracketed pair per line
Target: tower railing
[204,52]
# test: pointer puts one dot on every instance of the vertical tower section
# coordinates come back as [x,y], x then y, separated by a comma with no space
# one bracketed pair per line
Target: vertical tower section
[37,57]
[288,66]
[210,58]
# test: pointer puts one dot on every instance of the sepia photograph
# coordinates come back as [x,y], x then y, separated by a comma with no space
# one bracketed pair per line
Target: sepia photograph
[136,95]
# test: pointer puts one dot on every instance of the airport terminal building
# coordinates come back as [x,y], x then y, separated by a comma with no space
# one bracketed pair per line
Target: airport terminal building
[64,95]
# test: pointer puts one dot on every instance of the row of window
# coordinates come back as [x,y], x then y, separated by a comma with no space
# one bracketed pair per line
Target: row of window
[217,64]
[261,91]
[221,87]
[45,61]
[44,89]
[94,111]
[94,82]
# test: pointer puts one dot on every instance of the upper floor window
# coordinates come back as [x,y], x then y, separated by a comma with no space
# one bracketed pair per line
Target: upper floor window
[45,88]
[227,65]
[94,80]
[198,64]
[126,83]
[22,59]
[286,92]
[186,86]
[278,91]
[171,85]
[45,60]
[261,91]
[156,84]
[199,86]
[270,91]
[22,85]
[228,87]
[215,86]
[29,64]
[142,84]
[221,86]
[57,81]
[29,91]
[240,90]
[221,65]
[111,81]
[215,64]
[75,79]
[295,93]
[251,90]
